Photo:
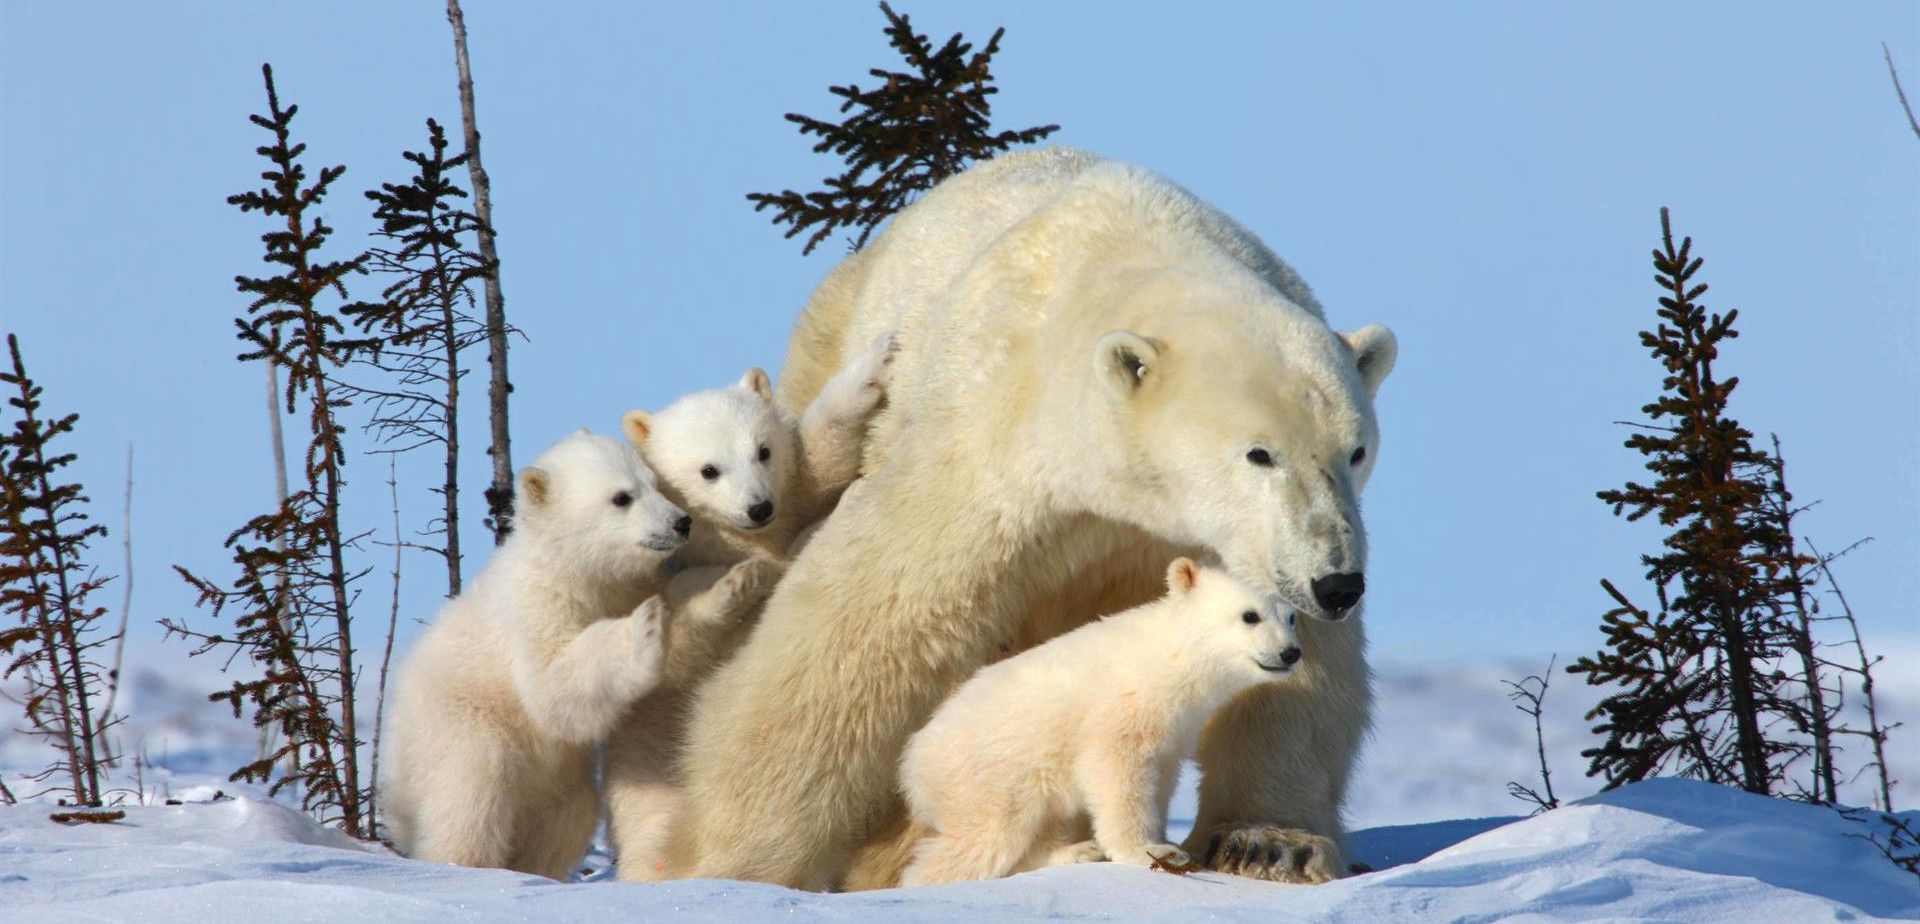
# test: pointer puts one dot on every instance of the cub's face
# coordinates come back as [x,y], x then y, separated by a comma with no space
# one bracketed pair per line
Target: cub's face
[1252,633]
[593,501]
[727,452]
[1254,442]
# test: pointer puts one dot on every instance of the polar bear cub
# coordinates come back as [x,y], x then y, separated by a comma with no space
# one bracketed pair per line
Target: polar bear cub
[753,479]
[1094,723]
[755,482]
[497,708]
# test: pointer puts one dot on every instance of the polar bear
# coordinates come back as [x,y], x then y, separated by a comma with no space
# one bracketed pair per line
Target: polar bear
[496,710]
[753,477]
[1096,373]
[1091,726]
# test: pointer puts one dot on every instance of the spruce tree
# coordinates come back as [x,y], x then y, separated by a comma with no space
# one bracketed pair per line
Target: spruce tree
[293,594]
[424,323]
[1699,683]
[45,583]
[906,134]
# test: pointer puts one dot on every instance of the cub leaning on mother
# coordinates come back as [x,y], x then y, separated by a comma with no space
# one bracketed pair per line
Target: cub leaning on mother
[1096,372]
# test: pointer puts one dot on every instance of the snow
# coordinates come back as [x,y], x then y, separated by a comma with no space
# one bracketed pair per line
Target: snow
[1662,850]
[1444,744]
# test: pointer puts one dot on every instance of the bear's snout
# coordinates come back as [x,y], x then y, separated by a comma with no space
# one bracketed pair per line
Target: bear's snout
[683,526]
[1338,593]
[1291,656]
[760,513]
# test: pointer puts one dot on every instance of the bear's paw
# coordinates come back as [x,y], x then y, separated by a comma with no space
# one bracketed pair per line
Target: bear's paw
[1272,852]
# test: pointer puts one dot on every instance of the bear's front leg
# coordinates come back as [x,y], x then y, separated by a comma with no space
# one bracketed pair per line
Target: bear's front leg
[1120,788]
[1274,765]
[576,689]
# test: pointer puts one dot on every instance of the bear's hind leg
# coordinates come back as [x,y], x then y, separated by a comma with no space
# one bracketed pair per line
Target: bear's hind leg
[461,815]
[555,832]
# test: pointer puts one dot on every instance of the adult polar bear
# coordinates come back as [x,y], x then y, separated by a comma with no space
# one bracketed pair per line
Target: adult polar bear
[1096,372]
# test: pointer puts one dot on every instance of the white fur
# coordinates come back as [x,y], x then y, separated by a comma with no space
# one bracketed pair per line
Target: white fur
[807,467]
[1091,726]
[1029,472]
[726,431]
[497,708]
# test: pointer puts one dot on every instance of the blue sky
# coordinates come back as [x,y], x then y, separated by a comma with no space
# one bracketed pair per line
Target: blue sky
[1483,178]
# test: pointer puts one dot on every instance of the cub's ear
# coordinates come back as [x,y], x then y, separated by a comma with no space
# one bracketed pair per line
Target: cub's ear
[757,382]
[1374,351]
[534,486]
[1124,359]
[637,425]
[1182,575]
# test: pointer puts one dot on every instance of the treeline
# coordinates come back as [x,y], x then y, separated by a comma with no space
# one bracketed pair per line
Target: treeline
[376,344]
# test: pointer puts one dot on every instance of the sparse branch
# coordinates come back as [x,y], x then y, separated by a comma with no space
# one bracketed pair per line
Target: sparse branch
[1875,732]
[1900,91]
[126,607]
[1529,695]
[386,654]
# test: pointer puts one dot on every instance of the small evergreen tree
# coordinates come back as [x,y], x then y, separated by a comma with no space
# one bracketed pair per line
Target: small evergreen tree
[46,585]
[1700,686]
[293,593]
[424,325]
[916,128]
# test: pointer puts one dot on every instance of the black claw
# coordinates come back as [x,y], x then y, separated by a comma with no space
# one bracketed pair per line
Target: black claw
[1213,848]
[1275,852]
[1236,850]
[1301,857]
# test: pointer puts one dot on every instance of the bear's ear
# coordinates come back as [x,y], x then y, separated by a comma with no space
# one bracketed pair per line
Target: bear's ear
[1124,359]
[1374,351]
[1182,575]
[534,486]
[756,381]
[637,425]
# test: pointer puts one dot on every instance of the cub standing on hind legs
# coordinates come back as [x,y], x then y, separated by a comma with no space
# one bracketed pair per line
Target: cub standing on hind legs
[498,706]
[1093,723]
[755,482]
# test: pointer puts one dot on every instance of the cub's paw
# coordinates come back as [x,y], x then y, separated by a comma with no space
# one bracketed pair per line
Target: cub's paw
[1075,854]
[858,389]
[650,632]
[1272,852]
[747,585]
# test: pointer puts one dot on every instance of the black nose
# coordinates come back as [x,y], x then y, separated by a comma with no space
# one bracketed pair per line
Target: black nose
[1290,656]
[760,512]
[1337,593]
[683,526]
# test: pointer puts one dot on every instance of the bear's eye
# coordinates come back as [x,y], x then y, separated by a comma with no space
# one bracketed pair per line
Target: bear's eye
[622,499]
[1260,457]
[709,472]
[1359,456]
[765,453]
[1250,617]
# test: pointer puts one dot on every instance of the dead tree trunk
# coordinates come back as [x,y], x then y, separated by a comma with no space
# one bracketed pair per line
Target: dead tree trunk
[500,492]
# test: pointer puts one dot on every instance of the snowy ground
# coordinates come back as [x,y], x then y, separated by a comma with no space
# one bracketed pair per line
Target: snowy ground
[1664,850]
[1445,743]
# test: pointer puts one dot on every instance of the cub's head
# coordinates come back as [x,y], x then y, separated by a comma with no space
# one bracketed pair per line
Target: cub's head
[1246,630]
[1248,429]
[727,452]
[592,501]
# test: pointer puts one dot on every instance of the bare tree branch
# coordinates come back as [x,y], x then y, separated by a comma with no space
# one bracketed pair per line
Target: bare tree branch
[1900,91]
